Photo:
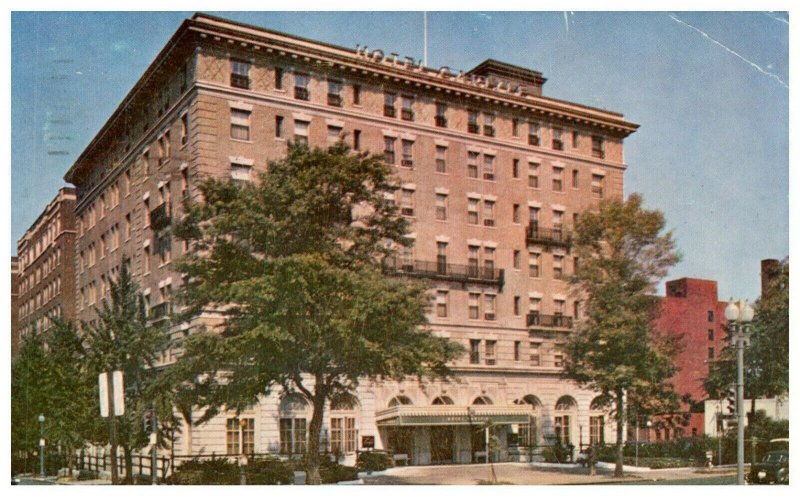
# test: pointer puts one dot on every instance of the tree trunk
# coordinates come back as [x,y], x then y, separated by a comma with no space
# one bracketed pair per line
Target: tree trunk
[187,431]
[620,439]
[315,431]
[128,464]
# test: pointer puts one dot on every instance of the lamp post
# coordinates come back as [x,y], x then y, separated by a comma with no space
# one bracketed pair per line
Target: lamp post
[739,318]
[41,445]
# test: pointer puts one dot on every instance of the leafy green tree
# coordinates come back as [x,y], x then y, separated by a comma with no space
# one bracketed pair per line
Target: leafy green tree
[615,351]
[294,261]
[29,398]
[122,338]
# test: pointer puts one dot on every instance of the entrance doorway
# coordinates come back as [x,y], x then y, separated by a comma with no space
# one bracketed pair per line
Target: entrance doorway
[442,443]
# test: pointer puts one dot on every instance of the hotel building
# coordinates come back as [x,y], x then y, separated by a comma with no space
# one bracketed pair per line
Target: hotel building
[45,268]
[492,173]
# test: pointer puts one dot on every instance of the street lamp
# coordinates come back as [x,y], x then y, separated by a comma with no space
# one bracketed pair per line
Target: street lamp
[739,318]
[41,445]
[647,424]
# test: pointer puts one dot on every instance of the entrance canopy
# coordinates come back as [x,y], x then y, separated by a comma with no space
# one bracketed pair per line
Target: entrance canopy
[450,414]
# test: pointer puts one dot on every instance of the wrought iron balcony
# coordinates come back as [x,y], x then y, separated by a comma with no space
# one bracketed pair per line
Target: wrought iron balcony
[406,114]
[240,81]
[160,311]
[301,93]
[389,111]
[441,121]
[558,144]
[533,139]
[473,128]
[441,270]
[537,320]
[334,99]
[549,236]
[160,217]
[488,130]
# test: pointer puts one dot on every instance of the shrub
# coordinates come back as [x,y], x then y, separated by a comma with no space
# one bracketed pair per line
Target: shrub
[215,471]
[557,453]
[84,475]
[374,461]
[269,472]
[331,473]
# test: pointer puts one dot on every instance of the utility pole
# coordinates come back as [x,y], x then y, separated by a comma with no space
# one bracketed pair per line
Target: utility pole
[154,447]
[112,429]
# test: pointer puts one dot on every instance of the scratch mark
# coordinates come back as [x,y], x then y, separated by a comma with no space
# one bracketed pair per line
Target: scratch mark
[776,18]
[488,17]
[566,22]
[754,65]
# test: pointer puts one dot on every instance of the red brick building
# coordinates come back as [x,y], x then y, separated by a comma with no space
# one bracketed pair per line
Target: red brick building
[692,309]
[14,304]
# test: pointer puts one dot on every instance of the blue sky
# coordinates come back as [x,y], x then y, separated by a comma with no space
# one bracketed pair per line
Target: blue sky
[710,91]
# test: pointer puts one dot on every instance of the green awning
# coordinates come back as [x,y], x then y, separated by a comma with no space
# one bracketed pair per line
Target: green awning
[442,415]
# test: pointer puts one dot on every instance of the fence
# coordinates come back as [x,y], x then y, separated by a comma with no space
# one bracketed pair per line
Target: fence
[142,464]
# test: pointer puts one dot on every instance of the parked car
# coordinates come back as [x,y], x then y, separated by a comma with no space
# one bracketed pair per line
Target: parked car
[773,469]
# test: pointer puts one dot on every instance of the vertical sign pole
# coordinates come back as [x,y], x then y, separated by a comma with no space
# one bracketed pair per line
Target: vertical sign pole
[112,429]
[154,448]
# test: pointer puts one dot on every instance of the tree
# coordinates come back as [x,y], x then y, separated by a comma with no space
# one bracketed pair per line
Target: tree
[294,261]
[29,399]
[122,338]
[615,351]
[766,358]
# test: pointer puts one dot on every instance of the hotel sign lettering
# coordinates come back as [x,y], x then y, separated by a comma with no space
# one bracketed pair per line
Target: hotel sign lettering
[454,420]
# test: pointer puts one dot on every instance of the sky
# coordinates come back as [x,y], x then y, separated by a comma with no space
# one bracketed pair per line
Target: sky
[710,91]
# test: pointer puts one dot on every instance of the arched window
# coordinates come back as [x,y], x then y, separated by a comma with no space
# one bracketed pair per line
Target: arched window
[566,407]
[343,424]
[442,400]
[399,400]
[293,424]
[482,400]
[529,432]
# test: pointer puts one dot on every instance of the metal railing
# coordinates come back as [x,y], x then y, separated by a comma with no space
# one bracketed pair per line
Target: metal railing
[445,271]
[473,128]
[548,236]
[301,93]
[441,121]
[535,319]
[160,217]
[240,81]
[334,99]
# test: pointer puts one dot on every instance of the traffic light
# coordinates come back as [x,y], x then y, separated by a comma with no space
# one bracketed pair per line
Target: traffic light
[149,421]
[730,397]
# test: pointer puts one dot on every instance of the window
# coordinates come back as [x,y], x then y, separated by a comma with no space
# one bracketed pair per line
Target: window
[474,305]
[301,86]
[240,172]
[488,261]
[475,351]
[533,175]
[472,211]
[533,264]
[533,134]
[596,430]
[184,128]
[710,335]
[574,178]
[240,74]
[515,168]
[334,93]
[334,134]
[407,112]
[517,351]
[441,257]
[408,153]
[515,213]
[441,207]
[710,316]
[292,436]
[598,149]
[301,132]
[244,445]
[558,360]
[278,126]
[558,267]
[388,149]
[576,310]
[356,139]
[575,139]
[488,167]
[441,303]
[488,124]
[559,307]
[407,202]
[472,260]
[441,115]
[558,185]
[711,353]
[516,259]
[441,159]
[535,356]
[491,352]
[146,260]
[517,306]
[472,164]
[597,186]
[278,78]
[343,430]
[515,127]
[240,124]
[489,308]
[356,94]
[558,144]
[388,104]
[558,224]
[472,122]
[488,213]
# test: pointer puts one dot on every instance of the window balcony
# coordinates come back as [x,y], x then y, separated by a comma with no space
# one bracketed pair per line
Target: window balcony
[598,153]
[443,271]
[473,128]
[389,111]
[334,99]
[407,162]
[488,131]
[160,311]
[558,144]
[549,236]
[536,320]
[533,139]
[301,93]
[406,114]
[441,121]
[240,81]
[160,217]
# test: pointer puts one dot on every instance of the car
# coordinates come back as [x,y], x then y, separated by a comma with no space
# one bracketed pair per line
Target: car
[773,469]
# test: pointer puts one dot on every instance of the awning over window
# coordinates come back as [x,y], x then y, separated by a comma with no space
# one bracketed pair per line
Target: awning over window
[453,415]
